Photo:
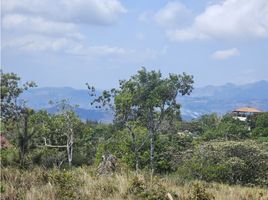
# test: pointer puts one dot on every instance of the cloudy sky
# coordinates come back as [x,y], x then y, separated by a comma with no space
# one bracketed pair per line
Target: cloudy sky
[71,42]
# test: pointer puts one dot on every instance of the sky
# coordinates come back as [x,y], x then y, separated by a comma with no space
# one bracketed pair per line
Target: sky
[73,42]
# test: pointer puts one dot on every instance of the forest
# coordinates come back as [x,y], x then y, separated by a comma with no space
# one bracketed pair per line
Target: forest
[148,152]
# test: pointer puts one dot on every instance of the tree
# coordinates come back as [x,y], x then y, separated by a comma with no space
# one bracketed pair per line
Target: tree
[15,115]
[25,133]
[10,91]
[209,121]
[63,127]
[148,99]
[261,129]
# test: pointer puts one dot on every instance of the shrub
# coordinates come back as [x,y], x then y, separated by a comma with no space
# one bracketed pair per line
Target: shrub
[9,156]
[66,183]
[261,128]
[229,162]
[140,189]
[48,158]
[198,192]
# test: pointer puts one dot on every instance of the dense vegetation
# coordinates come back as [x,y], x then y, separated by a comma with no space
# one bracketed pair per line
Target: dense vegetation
[55,156]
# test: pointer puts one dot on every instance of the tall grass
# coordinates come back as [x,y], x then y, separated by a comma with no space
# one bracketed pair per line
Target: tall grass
[82,183]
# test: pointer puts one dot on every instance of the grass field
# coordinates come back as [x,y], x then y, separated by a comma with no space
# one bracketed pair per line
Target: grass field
[82,183]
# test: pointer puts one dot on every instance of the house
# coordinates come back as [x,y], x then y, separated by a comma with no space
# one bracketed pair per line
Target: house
[244,112]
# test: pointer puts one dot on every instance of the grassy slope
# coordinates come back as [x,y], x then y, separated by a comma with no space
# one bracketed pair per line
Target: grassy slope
[81,183]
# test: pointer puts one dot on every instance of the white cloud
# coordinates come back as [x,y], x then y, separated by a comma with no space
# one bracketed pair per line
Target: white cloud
[72,11]
[225,54]
[48,25]
[173,14]
[24,24]
[228,19]
[34,43]
[38,43]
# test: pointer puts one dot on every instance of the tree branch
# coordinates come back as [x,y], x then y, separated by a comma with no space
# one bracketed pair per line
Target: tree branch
[53,146]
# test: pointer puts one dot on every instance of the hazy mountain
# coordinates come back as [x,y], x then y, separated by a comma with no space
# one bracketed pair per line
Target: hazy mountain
[89,114]
[225,98]
[219,99]
[39,97]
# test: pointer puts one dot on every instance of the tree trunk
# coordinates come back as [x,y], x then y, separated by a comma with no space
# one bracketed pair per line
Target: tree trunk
[152,145]
[24,141]
[135,149]
[70,149]
[137,160]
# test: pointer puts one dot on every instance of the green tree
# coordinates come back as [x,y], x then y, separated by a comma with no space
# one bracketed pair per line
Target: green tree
[25,133]
[148,99]
[14,114]
[10,91]
[209,121]
[59,130]
[261,128]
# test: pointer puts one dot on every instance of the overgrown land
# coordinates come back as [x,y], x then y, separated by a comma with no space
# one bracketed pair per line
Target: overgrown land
[148,152]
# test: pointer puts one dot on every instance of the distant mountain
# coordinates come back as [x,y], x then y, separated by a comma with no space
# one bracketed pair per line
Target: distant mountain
[89,114]
[204,100]
[40,97]
[225,98]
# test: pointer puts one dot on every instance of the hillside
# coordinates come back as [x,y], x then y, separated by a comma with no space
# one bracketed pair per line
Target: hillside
[203,100]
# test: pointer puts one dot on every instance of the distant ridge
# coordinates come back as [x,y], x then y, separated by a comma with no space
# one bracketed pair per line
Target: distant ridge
[203,100]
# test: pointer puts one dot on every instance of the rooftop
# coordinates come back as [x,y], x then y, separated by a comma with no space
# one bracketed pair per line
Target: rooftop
[247,109]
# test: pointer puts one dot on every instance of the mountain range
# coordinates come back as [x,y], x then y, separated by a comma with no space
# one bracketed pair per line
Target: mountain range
[203,100]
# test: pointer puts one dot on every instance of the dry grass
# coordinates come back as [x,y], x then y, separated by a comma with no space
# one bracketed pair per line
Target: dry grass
[37,185]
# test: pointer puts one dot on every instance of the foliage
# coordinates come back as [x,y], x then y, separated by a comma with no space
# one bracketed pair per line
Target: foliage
[147,133]
[261,128]
[198,192]
[9,156]
[10,91]
[66,184]
[229,162]
[229,129]
[149,100]
[140,189]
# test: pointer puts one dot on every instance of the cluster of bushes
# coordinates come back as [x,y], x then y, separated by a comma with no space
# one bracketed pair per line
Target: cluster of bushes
[229,162]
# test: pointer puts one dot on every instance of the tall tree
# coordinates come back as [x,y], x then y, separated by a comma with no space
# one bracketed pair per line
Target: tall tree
[15,115]
[25,133]
[148,99]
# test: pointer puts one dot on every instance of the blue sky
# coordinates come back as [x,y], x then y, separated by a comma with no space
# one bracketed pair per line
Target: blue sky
[71,42]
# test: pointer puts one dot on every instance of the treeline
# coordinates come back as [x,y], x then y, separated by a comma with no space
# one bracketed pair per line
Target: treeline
[147,133]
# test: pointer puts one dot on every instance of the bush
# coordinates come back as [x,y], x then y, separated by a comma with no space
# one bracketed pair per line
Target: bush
[66,183]
[261,128]
[9,156]
[229,162]
[140,189]
[45,157]
[198,192]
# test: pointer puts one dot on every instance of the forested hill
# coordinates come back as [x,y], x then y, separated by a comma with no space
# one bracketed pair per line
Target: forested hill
[219,99]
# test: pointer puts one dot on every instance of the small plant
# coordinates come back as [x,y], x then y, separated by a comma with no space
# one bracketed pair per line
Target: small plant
[106,189]
[2,188]
[140,189]
[198,192]
[66,182]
